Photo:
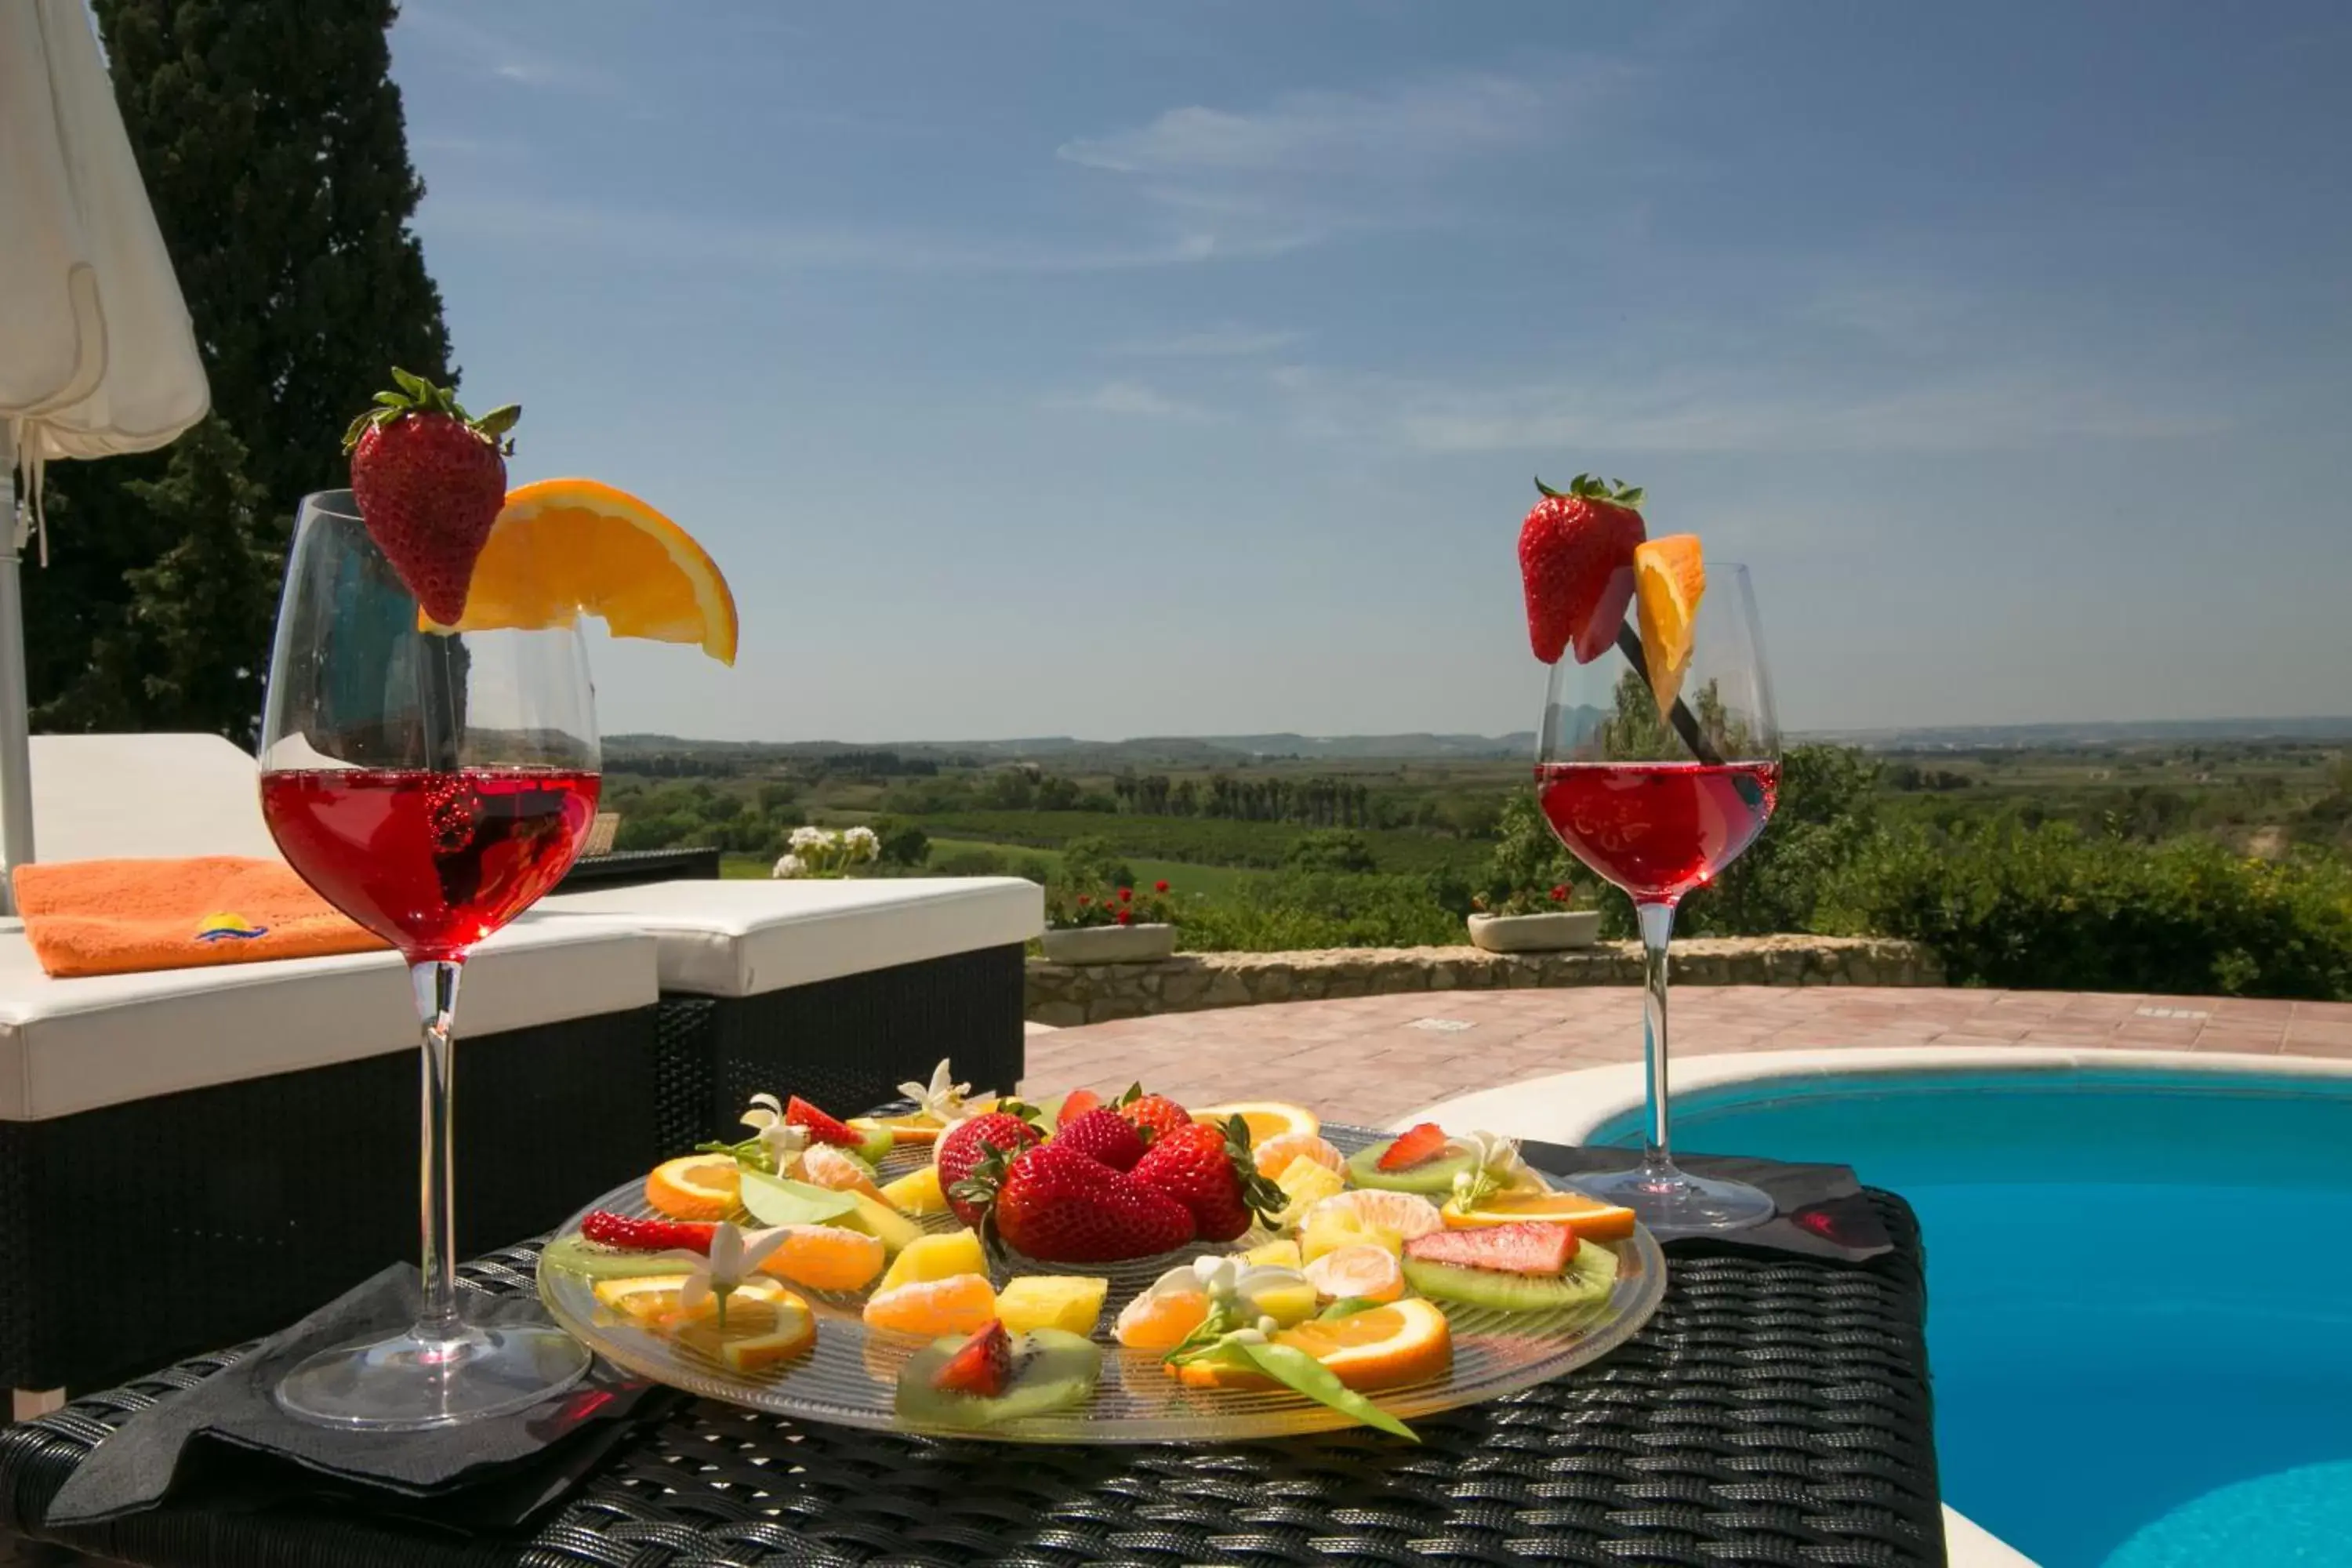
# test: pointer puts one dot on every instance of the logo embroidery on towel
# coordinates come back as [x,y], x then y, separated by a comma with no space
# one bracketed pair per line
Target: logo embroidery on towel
[221,925]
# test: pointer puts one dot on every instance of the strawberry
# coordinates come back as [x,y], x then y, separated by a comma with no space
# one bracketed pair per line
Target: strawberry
[1104,1134]
[1576,562]
[963,1147]
[1058,1204]
[982,1368]
[430,481]
[611,1229]
[821,1128]
[1209,1170]
[1154,1115]
[1414,1146]
[1076,1103]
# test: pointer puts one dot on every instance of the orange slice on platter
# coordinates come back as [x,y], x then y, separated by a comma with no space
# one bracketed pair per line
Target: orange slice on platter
[696,1187]
[1591,1219]
[652,1299]
[565,548]
[1403,1342]
[1264,1119]
[1669,580]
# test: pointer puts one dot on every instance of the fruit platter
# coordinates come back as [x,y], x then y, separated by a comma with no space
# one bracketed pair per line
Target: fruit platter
[1078,1269]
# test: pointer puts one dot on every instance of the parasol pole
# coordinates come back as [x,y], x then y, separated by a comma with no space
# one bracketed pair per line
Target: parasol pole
[15,751]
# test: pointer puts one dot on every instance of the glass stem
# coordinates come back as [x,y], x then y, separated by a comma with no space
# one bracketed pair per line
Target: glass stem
[1657,921]
[435,984]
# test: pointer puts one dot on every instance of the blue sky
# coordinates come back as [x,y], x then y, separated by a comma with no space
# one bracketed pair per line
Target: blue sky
[1044,368]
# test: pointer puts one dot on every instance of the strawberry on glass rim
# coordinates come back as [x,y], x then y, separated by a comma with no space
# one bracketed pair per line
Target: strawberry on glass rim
[1576,565]
[430,481]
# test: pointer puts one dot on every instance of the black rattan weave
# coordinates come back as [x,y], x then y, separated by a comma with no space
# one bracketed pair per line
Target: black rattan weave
[1774,1414]
[250,1202]
[848,1041]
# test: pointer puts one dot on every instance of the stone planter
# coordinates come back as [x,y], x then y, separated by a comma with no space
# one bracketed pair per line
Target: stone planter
[1555,931]
[1111,944]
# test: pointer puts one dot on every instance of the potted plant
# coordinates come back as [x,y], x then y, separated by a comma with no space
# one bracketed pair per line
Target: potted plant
[1116,926]
[1528,903]
[815,853]
[1531,921]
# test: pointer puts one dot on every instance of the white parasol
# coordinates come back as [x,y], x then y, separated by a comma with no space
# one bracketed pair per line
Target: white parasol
[97,354]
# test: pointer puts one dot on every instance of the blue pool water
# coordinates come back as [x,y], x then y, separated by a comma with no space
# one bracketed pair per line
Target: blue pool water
[2139,1295]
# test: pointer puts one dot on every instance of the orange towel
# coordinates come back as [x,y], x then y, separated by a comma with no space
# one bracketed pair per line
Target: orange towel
[121,916]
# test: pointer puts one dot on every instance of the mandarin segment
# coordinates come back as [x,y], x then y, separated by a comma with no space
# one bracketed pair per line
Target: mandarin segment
[1669,580]
[960,1304]
[826,1258]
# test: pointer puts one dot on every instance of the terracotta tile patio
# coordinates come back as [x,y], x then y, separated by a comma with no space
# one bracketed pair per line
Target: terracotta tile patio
[1371,1059]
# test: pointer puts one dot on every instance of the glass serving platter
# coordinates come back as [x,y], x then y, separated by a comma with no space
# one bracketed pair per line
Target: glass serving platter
[850,1376]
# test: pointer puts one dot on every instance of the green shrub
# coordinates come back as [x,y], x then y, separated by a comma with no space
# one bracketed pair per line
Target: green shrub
[973,862]
[1093,862]
[903,843]
[2048,906]
[1331,849]
[1296,910]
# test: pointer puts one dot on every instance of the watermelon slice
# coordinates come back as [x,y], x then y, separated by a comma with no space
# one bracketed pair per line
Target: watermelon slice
[824,1129]
[1414,1146]
[1523,1247]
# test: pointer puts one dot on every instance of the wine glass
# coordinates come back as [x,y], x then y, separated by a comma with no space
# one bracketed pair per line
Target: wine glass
[1658,802]
[432,786]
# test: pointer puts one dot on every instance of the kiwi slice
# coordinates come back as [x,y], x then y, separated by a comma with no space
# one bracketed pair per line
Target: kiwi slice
[1052,1369]
[1590,1275]
[875,1145]
[1431,1178]
[578,1255]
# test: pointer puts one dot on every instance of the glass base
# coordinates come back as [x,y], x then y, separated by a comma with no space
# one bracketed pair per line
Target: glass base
[407,1384]
[1673,1202]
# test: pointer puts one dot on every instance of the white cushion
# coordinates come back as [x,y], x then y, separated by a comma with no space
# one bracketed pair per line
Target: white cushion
[104,797]
[68,1046]
[744,937]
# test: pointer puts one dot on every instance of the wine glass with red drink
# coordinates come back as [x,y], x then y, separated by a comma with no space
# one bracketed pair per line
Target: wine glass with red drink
[1658,798]
[432,785]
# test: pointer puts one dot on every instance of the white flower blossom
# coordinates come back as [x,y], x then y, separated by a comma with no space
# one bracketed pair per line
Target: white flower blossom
[863,843]
[732,1256]
[789,866]
[942,1099]
[783,1141]
[809,838]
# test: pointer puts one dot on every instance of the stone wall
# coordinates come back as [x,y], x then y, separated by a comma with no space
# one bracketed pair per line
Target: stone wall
[1063,993]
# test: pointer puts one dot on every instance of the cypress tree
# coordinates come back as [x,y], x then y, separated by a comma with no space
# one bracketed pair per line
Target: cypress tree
[270,136]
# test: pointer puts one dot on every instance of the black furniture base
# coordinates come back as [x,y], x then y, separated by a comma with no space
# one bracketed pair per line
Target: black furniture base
[134,1234]
[840,1043]
[1774,1414]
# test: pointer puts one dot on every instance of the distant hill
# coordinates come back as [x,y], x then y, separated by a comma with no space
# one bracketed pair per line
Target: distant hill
[1072,755]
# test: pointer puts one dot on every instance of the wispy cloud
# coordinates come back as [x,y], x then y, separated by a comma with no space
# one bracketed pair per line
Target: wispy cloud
[496,55]
[2012,408]
[1326,132]
[1131,398]
[1226,342]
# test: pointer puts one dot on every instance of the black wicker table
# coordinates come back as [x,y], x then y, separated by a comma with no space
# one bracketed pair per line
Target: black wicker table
[1775,1412]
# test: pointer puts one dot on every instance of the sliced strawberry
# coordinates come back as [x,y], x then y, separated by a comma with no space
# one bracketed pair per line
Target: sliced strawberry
[799,1112]
[1076,1103]
[1576,564]
[982,1368]
[1414,1146]
[1523,1247]
[609,1229]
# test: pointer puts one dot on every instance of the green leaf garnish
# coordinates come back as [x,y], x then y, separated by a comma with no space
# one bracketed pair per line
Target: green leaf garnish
[774,1200]
[1297,1371]
[1348,1307]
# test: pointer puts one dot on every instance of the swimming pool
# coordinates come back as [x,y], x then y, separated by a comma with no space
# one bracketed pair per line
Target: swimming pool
[2139,1294]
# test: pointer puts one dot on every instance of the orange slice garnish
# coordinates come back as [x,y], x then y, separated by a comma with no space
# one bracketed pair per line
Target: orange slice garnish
[1403,1342]
[565,548]
[1669,580]
[1265,1118]
[696,1187]
[1591,1219]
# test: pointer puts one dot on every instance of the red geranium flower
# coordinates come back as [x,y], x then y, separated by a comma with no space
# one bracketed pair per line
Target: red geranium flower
[1159,886]
[1559,894]
[1127,895]
[1083,899]
[1127,917]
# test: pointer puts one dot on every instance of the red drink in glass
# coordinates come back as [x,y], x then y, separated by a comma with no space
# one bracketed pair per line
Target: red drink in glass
[433,862]
[1657,829]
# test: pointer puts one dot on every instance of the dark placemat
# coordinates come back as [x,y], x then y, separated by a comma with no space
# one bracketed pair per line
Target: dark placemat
[1820,1213]
[512,1465]
[1775,1414]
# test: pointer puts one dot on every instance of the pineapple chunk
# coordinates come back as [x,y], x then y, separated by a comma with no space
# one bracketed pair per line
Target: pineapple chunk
[917,1192]
[932,1258]
[1275,1254]
[1305,1183]
[1069,1301]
